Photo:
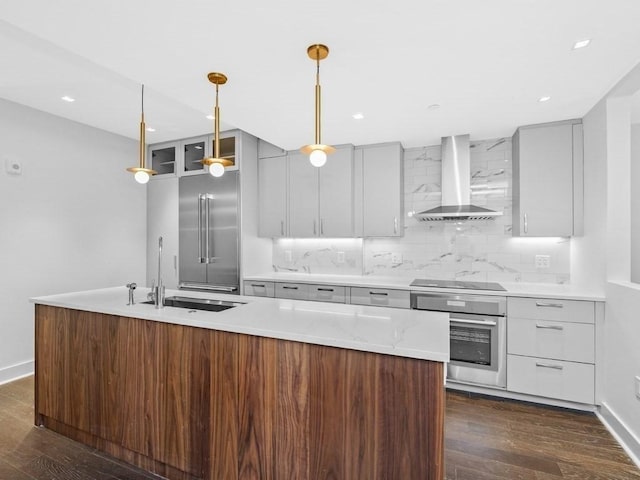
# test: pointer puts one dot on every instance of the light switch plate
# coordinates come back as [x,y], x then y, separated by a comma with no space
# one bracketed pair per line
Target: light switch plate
[287,255]
[340,257]
[396,258]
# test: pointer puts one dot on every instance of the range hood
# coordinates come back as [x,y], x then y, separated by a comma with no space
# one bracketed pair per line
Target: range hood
[456,185]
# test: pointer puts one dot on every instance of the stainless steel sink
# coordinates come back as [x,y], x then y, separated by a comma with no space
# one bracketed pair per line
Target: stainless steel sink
[198,303]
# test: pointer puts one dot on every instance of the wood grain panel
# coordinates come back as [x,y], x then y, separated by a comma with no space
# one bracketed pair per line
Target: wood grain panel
[291,435]
[196,403]
[361,387]
[327,415]
[224,427]
[256,407]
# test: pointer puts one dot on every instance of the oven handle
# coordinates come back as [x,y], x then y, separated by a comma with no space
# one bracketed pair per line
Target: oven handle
[488,323]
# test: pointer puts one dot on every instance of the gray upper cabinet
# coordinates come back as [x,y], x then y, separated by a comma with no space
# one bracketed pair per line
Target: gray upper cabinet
[548,180]
[272,193]
[382,190]
[303,193]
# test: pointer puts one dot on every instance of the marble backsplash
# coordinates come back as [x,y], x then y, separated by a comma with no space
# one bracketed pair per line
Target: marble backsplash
[479,250]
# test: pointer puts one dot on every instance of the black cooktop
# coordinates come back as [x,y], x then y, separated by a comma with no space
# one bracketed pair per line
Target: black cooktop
[423,282]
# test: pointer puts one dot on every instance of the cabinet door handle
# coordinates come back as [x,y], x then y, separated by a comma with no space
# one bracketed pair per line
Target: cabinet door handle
[321,226]
[526,224]
[314,228]
[258,285]
[395,225]
[549,327]
[287,287]
[382,294]
[325,289]
[549,365]
[549,304]
[282,227]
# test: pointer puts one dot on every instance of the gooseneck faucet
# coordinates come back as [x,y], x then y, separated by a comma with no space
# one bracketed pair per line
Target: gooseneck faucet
[157,289]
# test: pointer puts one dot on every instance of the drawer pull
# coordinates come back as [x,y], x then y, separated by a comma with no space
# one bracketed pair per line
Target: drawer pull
[325,289]
[287,287]
[550,327]
[258,285]
[548,365]
[382,294]
[548,304]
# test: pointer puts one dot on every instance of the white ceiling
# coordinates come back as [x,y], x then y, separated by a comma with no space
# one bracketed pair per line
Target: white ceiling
[485,63]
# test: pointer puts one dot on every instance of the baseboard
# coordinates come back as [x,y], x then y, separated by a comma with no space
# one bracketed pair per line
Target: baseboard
[14,372]
[625,437]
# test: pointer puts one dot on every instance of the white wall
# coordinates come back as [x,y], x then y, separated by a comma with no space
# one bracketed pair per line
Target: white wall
[635,201]
[73,220]
[588,264]
[607,169]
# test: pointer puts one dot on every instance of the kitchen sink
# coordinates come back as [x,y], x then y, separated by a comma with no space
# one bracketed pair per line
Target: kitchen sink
[197,303]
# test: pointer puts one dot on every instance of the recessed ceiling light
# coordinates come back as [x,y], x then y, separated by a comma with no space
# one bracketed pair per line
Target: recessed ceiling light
[210,117]
[151,129]
[358,116]
[433,106]
[544,99]
[581,43]
[67,98]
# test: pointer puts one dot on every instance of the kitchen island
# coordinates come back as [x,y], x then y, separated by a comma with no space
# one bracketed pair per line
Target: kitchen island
[270,389]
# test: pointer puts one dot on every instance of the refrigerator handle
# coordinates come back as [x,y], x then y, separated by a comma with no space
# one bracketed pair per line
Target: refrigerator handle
[210,247]
[207,213]
[200,256]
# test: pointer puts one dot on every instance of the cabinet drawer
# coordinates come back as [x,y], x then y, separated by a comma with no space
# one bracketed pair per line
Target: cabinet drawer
[551,309]
[259,289]
[571,381]
[296,291]
[547,339]
[381,297]
[327,293]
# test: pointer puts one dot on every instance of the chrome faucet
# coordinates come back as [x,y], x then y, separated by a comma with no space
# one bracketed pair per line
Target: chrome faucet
[131,286]
[157,288]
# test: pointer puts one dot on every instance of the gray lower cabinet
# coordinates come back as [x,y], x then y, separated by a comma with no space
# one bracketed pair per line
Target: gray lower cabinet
[259,289]
[295,291]
[380,297]
[551,346]
[328,293]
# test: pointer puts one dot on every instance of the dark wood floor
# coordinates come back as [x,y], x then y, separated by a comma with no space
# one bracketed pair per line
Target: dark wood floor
[485,440]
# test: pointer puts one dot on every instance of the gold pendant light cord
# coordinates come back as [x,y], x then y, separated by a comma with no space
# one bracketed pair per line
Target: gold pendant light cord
[216,127]
[142,133]
[318,97]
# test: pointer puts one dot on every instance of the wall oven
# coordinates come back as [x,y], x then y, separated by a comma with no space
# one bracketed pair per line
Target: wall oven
[477,335]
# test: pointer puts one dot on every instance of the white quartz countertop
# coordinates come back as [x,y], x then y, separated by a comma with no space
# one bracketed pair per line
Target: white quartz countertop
[513,289]
[391,331]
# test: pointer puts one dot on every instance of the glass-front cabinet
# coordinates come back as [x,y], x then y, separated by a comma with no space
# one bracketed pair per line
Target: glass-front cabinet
[184,157]
[194,151]
[164,157]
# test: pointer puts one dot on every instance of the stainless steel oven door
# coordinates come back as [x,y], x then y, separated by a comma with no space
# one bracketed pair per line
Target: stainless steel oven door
[478,350]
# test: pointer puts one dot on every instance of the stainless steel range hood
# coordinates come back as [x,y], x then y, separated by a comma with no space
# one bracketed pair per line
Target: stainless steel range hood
[456,185]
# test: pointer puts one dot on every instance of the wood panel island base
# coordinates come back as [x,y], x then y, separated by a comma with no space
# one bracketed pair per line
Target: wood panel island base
[199,403]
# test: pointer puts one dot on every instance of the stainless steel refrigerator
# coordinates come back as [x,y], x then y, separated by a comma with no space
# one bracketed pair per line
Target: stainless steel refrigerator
[208,219]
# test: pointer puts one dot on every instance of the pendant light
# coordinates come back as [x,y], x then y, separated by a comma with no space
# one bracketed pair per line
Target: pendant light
[141,173]
[215,163]
[318,152]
